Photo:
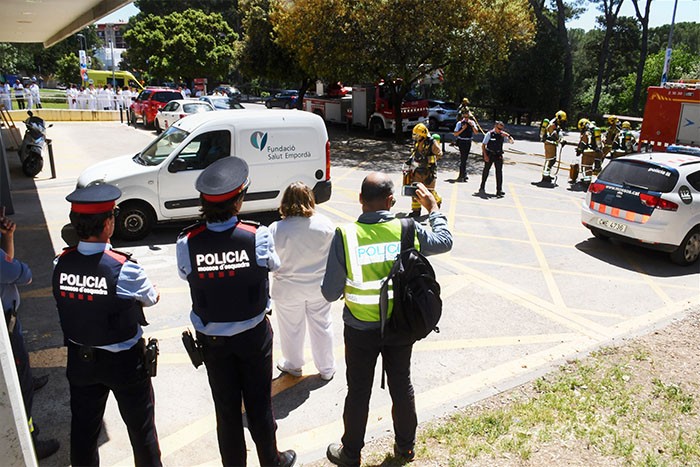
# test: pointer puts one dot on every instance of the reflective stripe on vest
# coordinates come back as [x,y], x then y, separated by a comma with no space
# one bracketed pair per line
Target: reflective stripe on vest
[620,213]
[370,252]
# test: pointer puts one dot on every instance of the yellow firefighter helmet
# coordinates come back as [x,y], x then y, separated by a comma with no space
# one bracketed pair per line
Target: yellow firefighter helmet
[626,125]
[583,123]
[612,120]
[420,131]
[561,116]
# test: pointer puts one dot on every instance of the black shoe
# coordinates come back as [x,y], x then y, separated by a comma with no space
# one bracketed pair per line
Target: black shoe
[40,381]
[500,194]
[336,455]
[287,458]
[406,455]
[46,447]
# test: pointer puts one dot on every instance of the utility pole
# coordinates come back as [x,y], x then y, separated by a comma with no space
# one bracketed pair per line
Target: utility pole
[667,60]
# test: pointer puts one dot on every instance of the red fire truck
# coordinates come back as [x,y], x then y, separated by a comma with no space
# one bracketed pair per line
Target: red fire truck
[368,106]
[671,116]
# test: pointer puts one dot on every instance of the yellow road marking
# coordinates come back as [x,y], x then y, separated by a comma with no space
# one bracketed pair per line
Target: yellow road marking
[546,272]
[510,239]
[335,212]
[648,280]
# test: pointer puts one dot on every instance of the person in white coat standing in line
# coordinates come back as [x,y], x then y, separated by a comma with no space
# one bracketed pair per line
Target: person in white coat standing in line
[302,239]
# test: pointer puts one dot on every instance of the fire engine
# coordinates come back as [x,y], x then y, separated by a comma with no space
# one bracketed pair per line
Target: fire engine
[671,116]
[368,106]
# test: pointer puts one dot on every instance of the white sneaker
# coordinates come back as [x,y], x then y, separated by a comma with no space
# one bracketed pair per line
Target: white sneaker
[291,371]
[328,376]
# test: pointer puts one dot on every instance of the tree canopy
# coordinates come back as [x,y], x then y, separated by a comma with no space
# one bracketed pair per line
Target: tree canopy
[181,45]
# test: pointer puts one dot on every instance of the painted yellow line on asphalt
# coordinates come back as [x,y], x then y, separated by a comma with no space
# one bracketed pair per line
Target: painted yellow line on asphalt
[335,212]
[496,341]
[531,302]
[510,239]
[451,217]
[552,286]
[603,314]
[648,279]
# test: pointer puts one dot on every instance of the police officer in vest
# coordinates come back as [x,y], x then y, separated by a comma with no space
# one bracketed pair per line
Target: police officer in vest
[226,262]
[100,294]
[464,130]
[372,244]
[493,155]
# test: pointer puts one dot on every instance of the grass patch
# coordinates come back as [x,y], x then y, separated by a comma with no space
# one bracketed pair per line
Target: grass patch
[601,405]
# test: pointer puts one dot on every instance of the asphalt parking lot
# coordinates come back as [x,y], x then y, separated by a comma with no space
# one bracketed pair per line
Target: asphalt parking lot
[525,287]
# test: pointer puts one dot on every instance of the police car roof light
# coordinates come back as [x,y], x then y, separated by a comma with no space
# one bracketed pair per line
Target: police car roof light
[679,149]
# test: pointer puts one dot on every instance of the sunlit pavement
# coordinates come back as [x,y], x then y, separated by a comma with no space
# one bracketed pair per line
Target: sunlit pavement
[525,287]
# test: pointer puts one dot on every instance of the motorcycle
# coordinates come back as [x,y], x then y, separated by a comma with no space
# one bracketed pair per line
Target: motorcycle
[32,148]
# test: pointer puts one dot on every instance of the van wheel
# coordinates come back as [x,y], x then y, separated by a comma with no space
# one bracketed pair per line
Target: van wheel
[689,249]
[376,126]
[135,220]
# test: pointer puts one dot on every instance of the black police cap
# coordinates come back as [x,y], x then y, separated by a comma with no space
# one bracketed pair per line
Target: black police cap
[223,179]
[94,199]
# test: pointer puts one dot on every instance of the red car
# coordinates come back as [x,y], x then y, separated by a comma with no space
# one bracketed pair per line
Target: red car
[149,102]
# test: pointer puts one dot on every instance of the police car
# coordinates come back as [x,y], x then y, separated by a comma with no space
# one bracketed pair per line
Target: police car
[650,199]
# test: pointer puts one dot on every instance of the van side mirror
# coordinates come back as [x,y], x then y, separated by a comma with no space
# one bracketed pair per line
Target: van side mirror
[177,165]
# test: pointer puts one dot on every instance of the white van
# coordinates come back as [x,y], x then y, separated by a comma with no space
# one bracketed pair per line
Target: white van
[158,183]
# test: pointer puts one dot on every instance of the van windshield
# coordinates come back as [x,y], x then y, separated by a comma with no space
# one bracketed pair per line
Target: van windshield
[161,148]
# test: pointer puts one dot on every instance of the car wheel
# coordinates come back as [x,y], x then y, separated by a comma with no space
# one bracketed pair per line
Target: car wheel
[159,130]
[135,220]
[689,249]
[376,126]
[268,105]
[287,105]
[600,235]
[133,119]
[433,124]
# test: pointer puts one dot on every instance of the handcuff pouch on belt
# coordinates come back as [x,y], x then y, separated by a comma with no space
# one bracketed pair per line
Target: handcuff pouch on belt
[150,357]
[193,348]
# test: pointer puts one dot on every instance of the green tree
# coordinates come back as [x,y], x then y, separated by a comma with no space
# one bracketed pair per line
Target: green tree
[610,10]
[181,45]
[226,8]
[643,18]
[398,41]
[68,69]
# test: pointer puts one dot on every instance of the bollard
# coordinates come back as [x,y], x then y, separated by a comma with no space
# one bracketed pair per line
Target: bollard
[51,161]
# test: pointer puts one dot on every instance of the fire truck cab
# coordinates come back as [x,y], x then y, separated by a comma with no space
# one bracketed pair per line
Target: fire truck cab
[671,116]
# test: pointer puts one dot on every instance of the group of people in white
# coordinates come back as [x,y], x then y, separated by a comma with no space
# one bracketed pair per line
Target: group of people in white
[26,96]
[105,98]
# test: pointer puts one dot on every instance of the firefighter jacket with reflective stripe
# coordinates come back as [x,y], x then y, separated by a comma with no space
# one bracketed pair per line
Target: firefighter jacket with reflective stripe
[90,311]
[495,143]
[226,283]
[370,252]
[553,136]
[426,153]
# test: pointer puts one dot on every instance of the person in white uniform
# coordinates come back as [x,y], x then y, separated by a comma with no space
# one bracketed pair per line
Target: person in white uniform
[302,239]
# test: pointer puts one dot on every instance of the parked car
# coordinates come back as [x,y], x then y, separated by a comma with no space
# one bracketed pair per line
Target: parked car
[222,102]
[286,99]
[149,102]
[650,199]
[441,114]
[228,90]
[175,110]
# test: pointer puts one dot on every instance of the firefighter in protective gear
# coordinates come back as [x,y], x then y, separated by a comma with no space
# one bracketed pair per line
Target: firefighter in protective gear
[625,143]
[611,135]
[552,137]
[422,165]
[463,109]
[589,152]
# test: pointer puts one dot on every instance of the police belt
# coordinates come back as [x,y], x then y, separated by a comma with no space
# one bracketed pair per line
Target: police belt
[93,354]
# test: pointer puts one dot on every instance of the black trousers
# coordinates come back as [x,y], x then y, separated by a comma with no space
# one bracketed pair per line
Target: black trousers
[496,161]
[362,349]
[90,383]
[464,145]
[238,367]
[24,372]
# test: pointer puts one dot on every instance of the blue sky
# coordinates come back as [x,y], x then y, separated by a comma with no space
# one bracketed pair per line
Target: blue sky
[661,13]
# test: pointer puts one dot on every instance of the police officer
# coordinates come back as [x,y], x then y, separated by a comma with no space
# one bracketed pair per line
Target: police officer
[552,137]
[492,150]
[464,130]
[100,294]
[423,164]
[226,262]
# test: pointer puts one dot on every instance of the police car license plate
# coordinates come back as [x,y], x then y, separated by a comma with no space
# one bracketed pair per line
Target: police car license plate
[612,225]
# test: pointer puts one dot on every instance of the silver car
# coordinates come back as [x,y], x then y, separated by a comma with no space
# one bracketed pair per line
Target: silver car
[650,199]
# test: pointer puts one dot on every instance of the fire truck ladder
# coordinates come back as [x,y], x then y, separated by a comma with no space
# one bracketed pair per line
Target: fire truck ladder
[8,122]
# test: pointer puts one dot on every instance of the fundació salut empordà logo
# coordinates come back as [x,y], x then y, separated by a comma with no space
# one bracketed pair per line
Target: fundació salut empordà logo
[258,139]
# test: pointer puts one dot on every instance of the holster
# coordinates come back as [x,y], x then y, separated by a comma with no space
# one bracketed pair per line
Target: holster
[193,348]
[11,318]
[150,357]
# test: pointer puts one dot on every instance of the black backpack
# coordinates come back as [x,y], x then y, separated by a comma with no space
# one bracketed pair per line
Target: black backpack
[417,303]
